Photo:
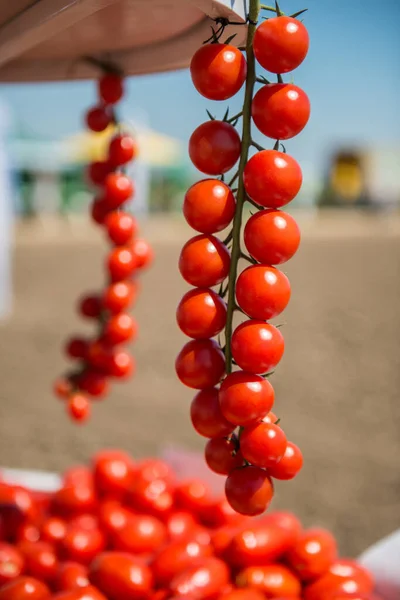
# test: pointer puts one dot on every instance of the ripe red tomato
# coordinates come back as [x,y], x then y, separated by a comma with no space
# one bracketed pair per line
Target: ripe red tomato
[99,211]
[192,495]
[75,497]
[281,44]
[119,329]
[153,497]
[90,306]
[120,364]
[98,118]
[263,444]
[218,71]
[280,110]
[343,577]
[143,253]
[245,397]
[271,236]
[76,348]
[40,560]
[111,88]
[261,542]
[25,588]
[275,581]
[11,563]
[82,545]
[121,576]
[87,593]
[114,473]
[118,188]
[62,388]
[97,172]
[221,514]
[209,206]
[201,313]
[289,465]
[200,364]
[122,150]
[249,490]
[119,296]
[71,576]
[206,415]
[204,579]
[27,532]
[214,147]
[262,292]
[151,469]
[142,534]
[53,530]
[179,524]
[313,554]
[272,178]
[221,455]
[257,347]
[204,261]
[79,407]
[121,263]
[121,227]
[93,383]
[18,507]
[175,558]
[245,594]
[112,516]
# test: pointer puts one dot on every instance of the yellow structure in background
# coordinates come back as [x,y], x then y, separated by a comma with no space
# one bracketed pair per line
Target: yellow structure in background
[347,177]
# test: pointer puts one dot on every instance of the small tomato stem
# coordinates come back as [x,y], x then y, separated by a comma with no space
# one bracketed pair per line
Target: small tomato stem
[253,16]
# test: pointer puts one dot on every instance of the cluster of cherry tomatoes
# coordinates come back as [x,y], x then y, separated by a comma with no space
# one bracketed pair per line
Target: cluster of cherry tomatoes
[229,399]
[125,530]
[103,356]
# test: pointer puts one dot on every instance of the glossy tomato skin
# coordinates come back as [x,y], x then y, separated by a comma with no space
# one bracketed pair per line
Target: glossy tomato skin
[97,171]
[93,383]
[175,558]
[121,576]
[263,444]
[119,296]
[203,580]
[221,455]
[98,118]
[121,227]
[273,580]
[88,593]
[249,490]
[281,44]
[142,534]
[121,263]
[179,524]
[206,415]
[209,206]
[313,554]
[122,150]
[40,560]
[260,543]
[200,364]
[257,347]
[272,179]
[271,236]
[262,292]
[280,110]
[192,495]
[244,594]
[82,545]
[201,313]
[114,473]
[118,188]
[11,563]
[214,147]
[218,71]
[70,576]
[111,88]
[344,576]
[204,261]
[245,397]
[25,588]
[289,465]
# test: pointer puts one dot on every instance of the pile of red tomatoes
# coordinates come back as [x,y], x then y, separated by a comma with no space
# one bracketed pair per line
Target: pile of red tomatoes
[125,530]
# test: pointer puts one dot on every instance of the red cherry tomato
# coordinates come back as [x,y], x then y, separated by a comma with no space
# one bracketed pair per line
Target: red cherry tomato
[142,534]
[152,497]
[62,388]
[99,211]
[121,263]
[245,594]
[112,516]
[249,490]
[11,563]
[175,558]
[342,577]
[143,253]
[200,364]
[90,306]
[179,524]
[272,178]
[114,473]
[214,147]
[121,576]
[122,150]
[97,172]
[271,236]
[262,292]
[119,296]
[280,110]
[87,593]
[206,415]
[218,71]
[201,313]
[111,88]
[289,465]
[53,530]
[220,514]
[17,506]
[93,383]
[204,261]
[118,188]
[71,576]
[79,407]
[203,580]
[25,588]
[76,348]
[98,118]
[245,397]
[121,227]
[275,581]
[28,532]
[40,560]
[82,545]
[221,455]
[151,469]
[77,496]
[257,346]
[209,206]
[261,542]
[120,329]
[313,554]
[263,444]
[281,44]
[192,495]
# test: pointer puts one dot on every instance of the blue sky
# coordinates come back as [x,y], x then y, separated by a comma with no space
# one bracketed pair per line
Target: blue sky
[352,76]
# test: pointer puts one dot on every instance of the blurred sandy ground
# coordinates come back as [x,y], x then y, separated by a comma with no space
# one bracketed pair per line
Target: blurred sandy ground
[337,386]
